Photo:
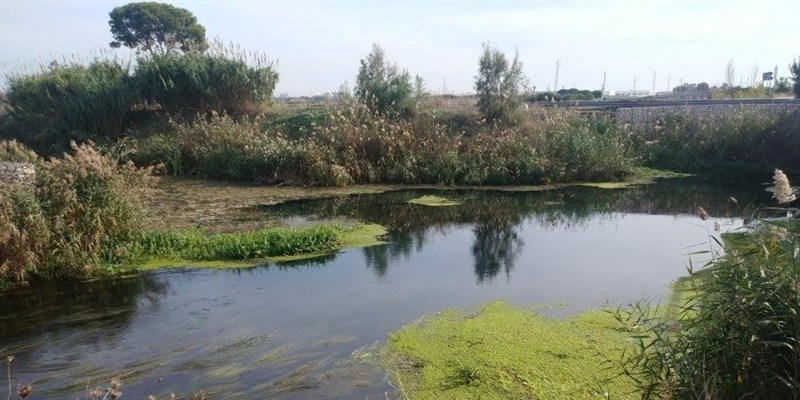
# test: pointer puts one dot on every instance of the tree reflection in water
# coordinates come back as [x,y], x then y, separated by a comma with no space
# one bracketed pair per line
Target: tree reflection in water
[496,247]
[496,216]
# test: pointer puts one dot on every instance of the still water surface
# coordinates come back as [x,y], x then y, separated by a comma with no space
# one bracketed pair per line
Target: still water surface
[310,329]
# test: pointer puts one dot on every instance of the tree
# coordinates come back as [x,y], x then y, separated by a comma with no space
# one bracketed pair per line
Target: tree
[795,70]
[156,27]
[730,73]
[753,78]
[782,85]
[381,86]
[498,84]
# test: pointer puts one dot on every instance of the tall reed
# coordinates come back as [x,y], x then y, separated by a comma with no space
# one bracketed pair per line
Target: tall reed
[353,144]
[736,331]
[71,101]
[60,227]
[222,79]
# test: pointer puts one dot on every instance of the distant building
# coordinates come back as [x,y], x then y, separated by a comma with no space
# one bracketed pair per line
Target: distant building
[631,93]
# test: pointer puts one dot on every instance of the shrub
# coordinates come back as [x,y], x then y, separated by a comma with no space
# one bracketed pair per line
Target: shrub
[81,204]
[221,148]
[224,80]
[14,151]
[746,137]
[24,234]
[382,87]
[70,101]
[582,149]
[498,85]
[354,144]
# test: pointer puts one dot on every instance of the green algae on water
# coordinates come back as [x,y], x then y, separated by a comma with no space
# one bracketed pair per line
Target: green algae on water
[434,201]
[502,352]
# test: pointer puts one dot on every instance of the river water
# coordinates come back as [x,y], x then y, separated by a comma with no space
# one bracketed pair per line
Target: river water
[312,329]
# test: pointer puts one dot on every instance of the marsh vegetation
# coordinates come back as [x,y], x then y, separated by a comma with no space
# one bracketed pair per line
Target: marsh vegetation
[99,131]
[252,330]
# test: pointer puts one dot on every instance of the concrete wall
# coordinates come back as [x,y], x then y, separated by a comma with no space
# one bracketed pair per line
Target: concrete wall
[648,117]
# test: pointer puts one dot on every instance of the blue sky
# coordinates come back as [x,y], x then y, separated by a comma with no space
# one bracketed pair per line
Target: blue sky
[318,44]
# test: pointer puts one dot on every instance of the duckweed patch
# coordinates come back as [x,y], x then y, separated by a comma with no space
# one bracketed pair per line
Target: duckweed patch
[607,185]
[500,352]
[434,201]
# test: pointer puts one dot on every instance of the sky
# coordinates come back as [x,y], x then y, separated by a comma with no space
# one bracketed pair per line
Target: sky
[317,45]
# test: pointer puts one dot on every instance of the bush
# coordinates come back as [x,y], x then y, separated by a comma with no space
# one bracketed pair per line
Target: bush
[24,234]
[382,87]
[81,204]
[221,148]
[224,80]
[582,149]
[755,138]
[13,151]
[70,101]
[354,144]
[498,85]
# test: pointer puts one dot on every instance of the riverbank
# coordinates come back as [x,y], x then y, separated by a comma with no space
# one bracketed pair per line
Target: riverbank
[92,214]
[219,207]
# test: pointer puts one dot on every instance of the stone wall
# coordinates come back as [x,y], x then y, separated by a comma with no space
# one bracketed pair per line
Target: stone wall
[645,118]
[23,173]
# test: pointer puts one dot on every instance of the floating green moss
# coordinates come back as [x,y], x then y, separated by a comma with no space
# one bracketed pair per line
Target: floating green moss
[502,352]
[607,185]
[434,201]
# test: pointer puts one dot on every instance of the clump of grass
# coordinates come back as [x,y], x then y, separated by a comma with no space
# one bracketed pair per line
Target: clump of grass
[754,139]
[357,145]
[195,245]
[221,79]
[737,333]
[24,234]
[70,101]
[501,352]
[156,248]
[98,99]
[60,227]
[14,151]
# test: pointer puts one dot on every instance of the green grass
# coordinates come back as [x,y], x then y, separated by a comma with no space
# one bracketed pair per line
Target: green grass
[503,352]
[193,248]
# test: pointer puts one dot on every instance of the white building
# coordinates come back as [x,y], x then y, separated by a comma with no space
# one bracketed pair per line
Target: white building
[631,93]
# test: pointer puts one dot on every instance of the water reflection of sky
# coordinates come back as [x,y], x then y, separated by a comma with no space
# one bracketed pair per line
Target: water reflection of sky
[288,332]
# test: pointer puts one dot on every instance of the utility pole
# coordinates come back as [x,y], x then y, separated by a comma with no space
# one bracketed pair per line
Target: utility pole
[774,77]
[669,78]
[654,82]
[555,85]
[603,89]
[634,84]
